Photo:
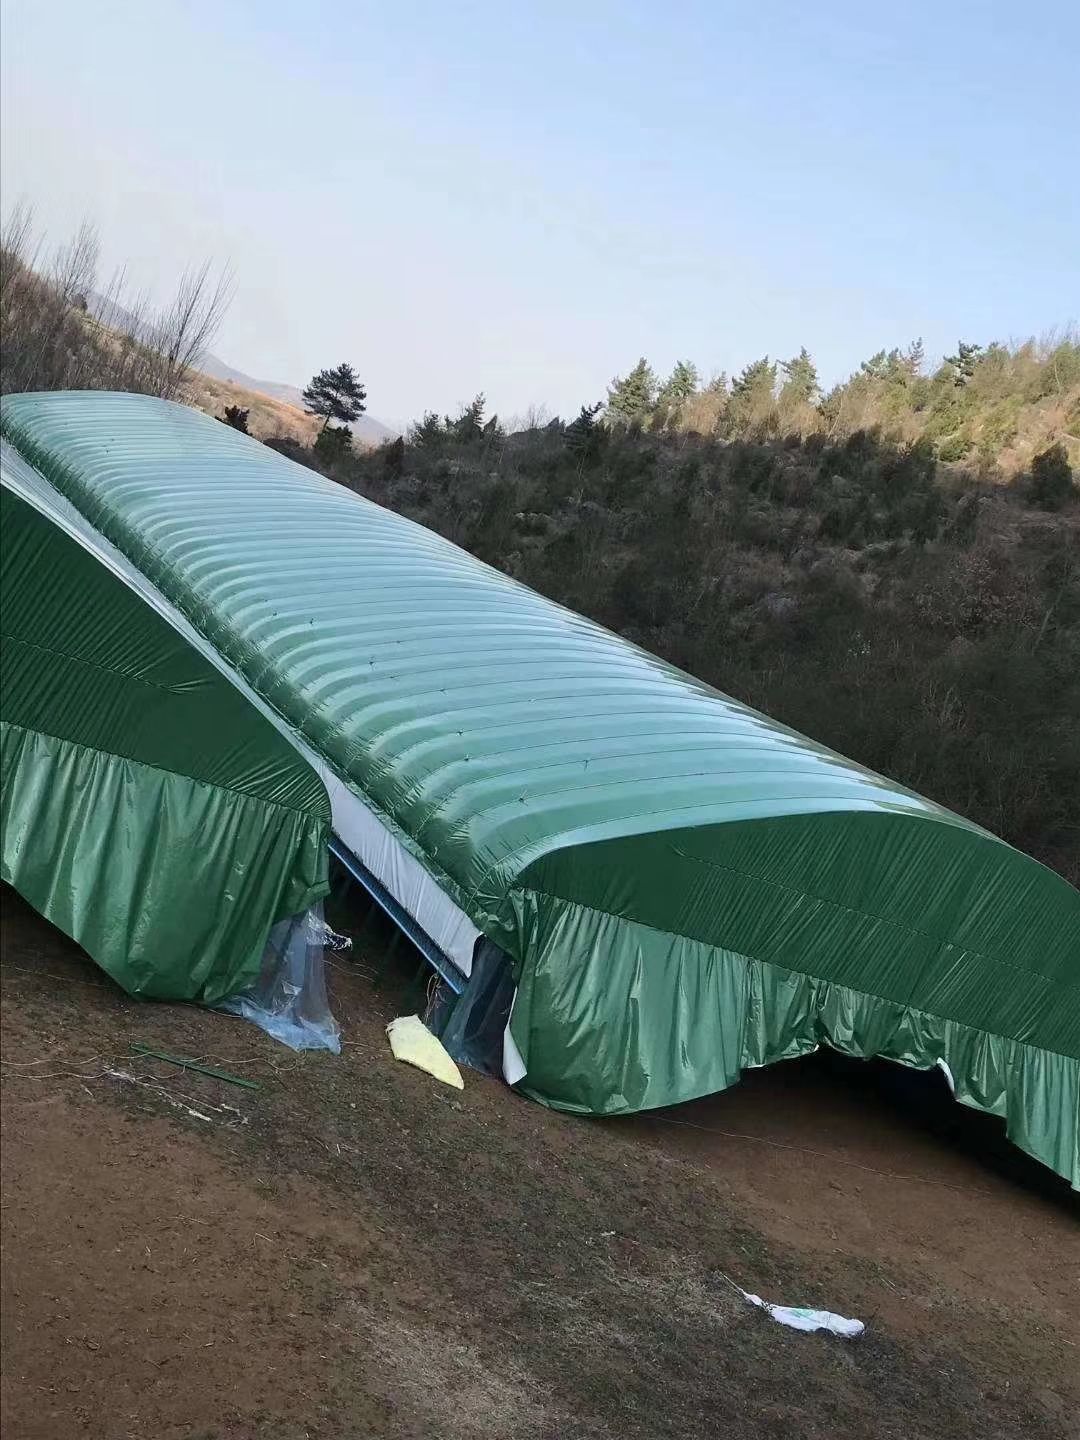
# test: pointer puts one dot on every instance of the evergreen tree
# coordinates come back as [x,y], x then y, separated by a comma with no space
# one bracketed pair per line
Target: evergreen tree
[914,358]
[333,442]
[801,385]
[679,386]
[631,401]
[882,365]
[469,425]
[752,409]
[964,362]
[235,418]
[757,379]
[892,367]
[393,456]
[335,395]
[427,433]
[584,435]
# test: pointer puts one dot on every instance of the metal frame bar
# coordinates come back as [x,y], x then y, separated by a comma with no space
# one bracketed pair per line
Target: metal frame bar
[406,925]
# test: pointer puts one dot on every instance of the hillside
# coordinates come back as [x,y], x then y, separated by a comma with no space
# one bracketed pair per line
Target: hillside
[217,384]
[367,430]
[268,418]
[992,407]
[61,332]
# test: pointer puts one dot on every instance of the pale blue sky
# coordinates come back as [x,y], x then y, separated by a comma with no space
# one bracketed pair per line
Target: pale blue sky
[521,198]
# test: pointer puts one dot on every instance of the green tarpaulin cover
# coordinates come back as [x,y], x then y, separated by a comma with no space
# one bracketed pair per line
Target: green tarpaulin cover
[686,888]
[149,810]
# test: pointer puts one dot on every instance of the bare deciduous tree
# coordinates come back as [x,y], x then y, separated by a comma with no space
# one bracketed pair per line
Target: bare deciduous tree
[73,272]
[60,333]
[181,335]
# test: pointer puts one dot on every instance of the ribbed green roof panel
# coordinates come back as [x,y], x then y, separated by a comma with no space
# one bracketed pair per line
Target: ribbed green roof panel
[476,712]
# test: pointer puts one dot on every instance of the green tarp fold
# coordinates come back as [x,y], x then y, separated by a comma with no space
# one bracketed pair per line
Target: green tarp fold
[149,811]
[591,966]
[170,884]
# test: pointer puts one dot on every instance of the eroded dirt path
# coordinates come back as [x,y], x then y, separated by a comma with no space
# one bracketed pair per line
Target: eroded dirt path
[352,1251]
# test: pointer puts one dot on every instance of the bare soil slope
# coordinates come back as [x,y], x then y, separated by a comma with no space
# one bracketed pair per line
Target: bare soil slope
[353,1251]
[268,418]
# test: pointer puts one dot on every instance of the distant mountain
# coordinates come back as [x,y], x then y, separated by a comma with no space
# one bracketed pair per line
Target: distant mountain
[367,429]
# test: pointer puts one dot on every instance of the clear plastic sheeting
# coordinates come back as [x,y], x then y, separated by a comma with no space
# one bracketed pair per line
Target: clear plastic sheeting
[473,1025]
[289,999]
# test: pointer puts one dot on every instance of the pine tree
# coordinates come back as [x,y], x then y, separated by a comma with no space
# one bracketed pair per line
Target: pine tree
[964,362]
[914,358]
[679,386]
[801,385]
[427,433]
[393,455]
[335,395]
[879,365]
[584,435]
[758,378]
[333,442]
[469,425]
[752,410]
[632,401]
[891,366]
[236,418]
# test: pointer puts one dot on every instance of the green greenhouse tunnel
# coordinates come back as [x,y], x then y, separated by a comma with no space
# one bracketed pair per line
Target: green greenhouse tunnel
[684,888]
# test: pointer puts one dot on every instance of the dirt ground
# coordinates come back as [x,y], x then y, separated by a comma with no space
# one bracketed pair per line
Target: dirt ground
[352,1250]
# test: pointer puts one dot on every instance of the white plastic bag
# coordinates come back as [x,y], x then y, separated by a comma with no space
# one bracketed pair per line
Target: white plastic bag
[798,1318]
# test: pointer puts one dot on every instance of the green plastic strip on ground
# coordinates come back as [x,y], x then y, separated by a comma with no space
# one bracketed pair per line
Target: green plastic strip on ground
[148,809]
[574,795]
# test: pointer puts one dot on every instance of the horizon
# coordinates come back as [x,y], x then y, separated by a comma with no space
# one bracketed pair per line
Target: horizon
[529,229]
